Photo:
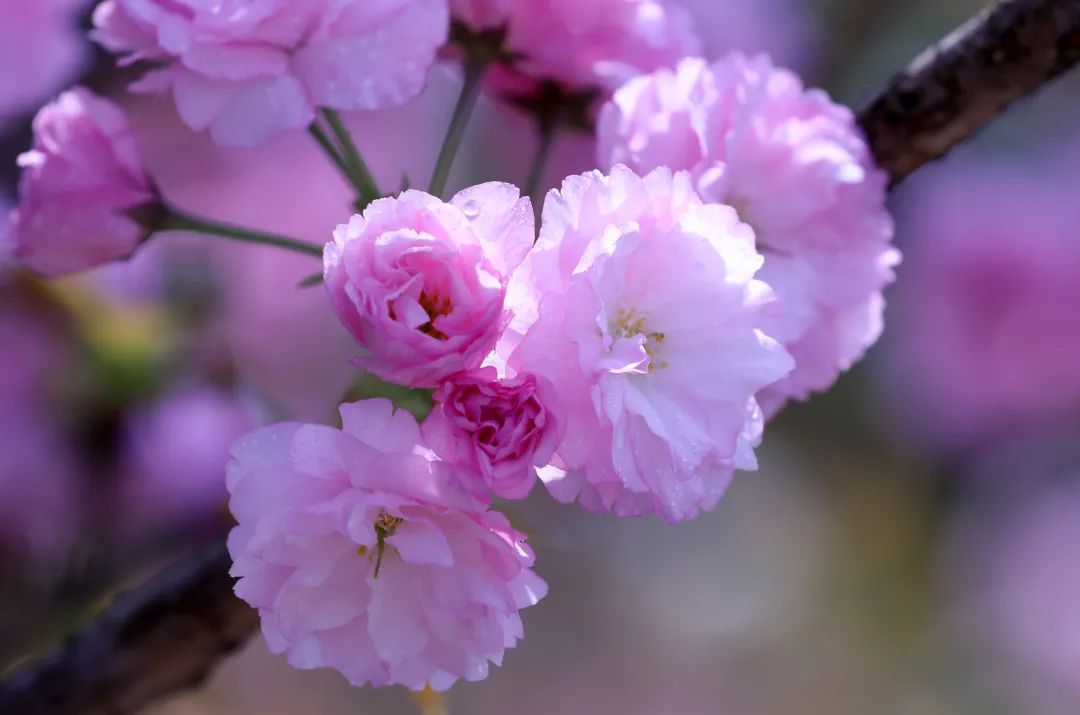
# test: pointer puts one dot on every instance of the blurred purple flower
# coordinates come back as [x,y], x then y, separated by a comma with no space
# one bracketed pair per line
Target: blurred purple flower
[40,51]
[175,453]
[985,336]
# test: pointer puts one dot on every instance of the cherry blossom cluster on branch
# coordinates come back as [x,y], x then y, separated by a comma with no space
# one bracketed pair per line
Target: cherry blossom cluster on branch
[728,255]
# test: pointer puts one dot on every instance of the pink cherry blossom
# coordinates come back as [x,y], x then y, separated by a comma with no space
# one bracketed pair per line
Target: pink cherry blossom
[580,46]
[496,431]
[356,551]
[639,302]
[249,70]
[40,51]
[797,169]
[80,185]
[421,283]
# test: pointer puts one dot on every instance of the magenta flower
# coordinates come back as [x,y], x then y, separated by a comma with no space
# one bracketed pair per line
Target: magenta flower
[40,51]
[359,555]
[580,46]
[640,304]
[496,430]
[249,70]
[420,283]
[797,169]
[81,184]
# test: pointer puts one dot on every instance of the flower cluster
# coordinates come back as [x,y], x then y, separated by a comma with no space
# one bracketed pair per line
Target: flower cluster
[794,166]
[360,553]
[640,302]
[729,255]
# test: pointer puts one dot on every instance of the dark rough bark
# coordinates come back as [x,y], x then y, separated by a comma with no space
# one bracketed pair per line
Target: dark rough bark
[954,88]
[171,632]
[167,635]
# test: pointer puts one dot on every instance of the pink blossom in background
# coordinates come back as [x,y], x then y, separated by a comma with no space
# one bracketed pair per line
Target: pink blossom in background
[40,51]
[497,431]
[249,70]
[985,339]
[639,302]
[580,46]
[80,181]
[175,452]
[797,169]
[420,283]
[319,510]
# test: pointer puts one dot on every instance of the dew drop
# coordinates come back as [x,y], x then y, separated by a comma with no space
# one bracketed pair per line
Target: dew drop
[471,209]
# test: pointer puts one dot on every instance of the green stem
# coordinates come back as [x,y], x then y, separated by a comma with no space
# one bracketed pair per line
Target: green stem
[548,132]
[365,184]
[331,151]
[475,66]
[311,281]
[182,221]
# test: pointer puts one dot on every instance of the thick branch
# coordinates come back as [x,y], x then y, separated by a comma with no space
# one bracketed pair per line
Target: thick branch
[171,632]
[165,636]
[952,89]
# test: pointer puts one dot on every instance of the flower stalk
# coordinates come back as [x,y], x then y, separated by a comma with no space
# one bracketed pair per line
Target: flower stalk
[476,64]
[363,181]
[178,220]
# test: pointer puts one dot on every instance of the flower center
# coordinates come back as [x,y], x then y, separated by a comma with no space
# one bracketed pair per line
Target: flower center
[628,323]
[385,526]
[435,306]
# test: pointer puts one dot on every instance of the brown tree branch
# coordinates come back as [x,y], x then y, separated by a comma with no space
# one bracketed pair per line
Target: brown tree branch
[162,637]
[954,88]
[170,633]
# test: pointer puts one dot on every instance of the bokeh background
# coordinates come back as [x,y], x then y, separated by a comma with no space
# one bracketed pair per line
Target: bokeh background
[910,545]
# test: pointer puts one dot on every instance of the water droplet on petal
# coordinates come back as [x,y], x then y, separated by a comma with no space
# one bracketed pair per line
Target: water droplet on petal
[471,209]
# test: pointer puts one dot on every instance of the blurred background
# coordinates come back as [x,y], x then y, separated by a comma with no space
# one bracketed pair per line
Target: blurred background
[911,543]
